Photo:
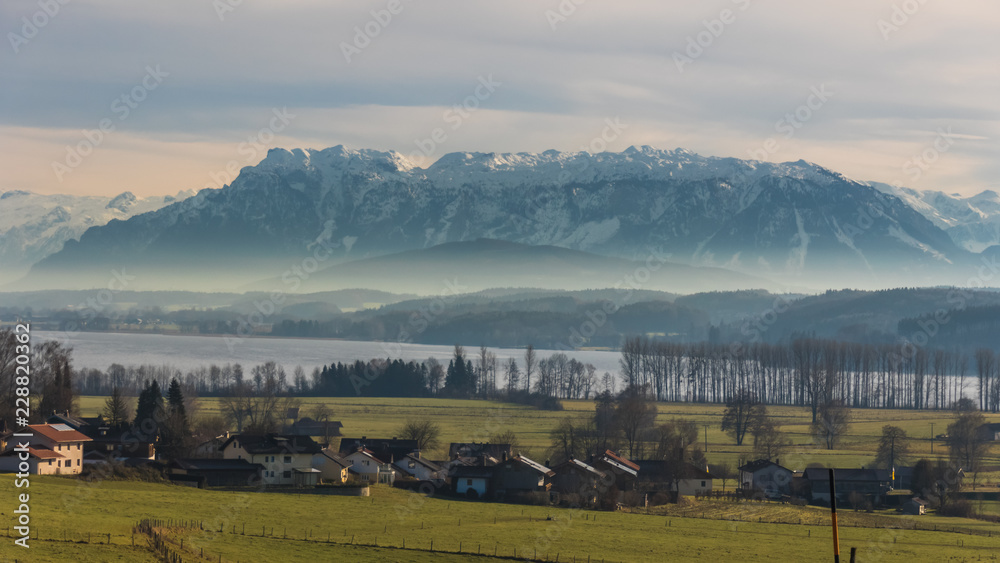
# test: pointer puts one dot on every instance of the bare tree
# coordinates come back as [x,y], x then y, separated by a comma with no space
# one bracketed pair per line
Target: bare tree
[513,375]
[966,445]
[424,431]
[634,414]
[769,442]
[529,366]
[743,410]
[893,447]
[832,420]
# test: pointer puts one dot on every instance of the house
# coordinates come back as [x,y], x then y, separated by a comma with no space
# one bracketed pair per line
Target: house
[368,468]
[306,426]
[112,443]
[53,449]
[213,472]
[211,448]
[625,472]
[385,450]
[473,481]
[915,506]
[332,467]
[765,477]
[576,477]
[418,468]
[287,460]
[873,484]
[683,478]
[117,443]
[989,432]
[519,474]
[475,453]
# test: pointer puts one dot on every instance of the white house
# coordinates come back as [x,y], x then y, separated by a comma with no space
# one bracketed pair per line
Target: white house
[369,468]
[418,468]
[287,460]
[766,477]
[52,449]
[331,466]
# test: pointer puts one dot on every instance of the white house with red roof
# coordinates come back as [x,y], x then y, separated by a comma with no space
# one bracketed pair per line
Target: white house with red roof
[52,449]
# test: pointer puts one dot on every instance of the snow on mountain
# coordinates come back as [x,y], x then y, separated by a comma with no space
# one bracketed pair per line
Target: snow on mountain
[972,222]
[33,226]
[794,221]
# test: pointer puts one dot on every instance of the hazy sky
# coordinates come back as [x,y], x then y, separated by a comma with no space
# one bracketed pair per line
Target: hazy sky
[895,91]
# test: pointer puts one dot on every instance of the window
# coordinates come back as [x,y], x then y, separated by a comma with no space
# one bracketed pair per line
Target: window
[468,482]
[78,463]
[69,463]
[287,474]
[702,483]
[288,459]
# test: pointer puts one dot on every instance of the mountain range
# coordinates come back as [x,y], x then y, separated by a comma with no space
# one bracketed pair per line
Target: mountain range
[305,214]
[33,226]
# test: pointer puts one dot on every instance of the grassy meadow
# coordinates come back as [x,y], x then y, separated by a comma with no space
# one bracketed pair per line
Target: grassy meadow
[395,525]
[300,527]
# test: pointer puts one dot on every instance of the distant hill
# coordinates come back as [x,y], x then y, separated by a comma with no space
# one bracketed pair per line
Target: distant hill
[483,263]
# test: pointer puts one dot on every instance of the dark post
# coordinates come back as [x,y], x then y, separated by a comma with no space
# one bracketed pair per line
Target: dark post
[854,552]
[833,516]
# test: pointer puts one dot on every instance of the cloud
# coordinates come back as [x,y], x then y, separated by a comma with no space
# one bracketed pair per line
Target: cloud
[602,60]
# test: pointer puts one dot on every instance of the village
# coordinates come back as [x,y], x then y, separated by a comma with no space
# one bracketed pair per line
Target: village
[313,457]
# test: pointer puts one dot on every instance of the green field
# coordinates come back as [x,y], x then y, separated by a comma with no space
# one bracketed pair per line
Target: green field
[291,527]
[296,527]
[474,420]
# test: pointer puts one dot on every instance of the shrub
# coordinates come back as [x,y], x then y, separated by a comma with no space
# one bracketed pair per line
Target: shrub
[958,508]
[659,499]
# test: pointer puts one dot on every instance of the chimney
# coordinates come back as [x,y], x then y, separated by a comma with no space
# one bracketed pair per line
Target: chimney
[777,461]
[504,456]
[546,463]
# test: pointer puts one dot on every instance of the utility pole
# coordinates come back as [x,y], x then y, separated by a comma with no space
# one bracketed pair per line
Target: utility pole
[706,436]
[932,438]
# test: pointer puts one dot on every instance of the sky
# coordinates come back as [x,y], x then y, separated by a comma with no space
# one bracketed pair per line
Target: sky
[100,97]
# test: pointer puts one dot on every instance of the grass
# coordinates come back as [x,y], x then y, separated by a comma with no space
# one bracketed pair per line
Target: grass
[64,507]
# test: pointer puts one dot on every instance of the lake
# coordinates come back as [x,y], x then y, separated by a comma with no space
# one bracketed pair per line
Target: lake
[101,349]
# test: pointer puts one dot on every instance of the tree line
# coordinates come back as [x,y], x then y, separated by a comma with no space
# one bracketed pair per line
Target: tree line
[810,371]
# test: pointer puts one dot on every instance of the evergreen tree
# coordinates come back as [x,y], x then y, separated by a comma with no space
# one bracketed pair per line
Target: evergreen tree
[176,431]
[149,412]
